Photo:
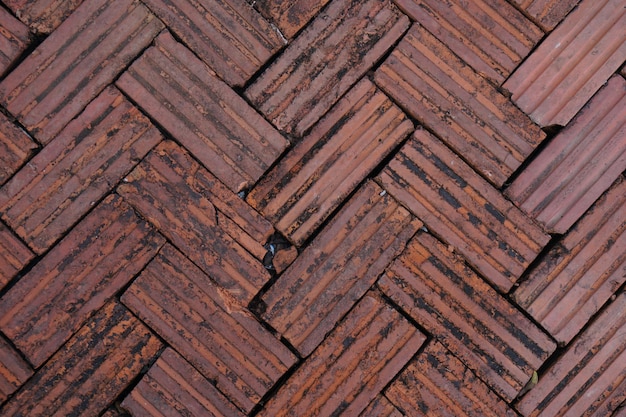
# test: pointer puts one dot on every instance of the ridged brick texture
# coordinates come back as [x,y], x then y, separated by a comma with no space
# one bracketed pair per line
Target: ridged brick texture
[16,147]
[380,407]
[462,208]
[338,267]
[209,328]
[202,217]
[348,370]
[42,16]
[14,255]
[590,377]
[173,387]
[289,16]
[425,77]
[229,35]
[198,109]
[91,370]
[490,336]
[321,64]
[581,273]
[572,63]
[547,13]
[438,384]
[492,36]
[14,371]
[315,176]
[91,154]
[579,164]
[95,260]
[53,84]
[14,38]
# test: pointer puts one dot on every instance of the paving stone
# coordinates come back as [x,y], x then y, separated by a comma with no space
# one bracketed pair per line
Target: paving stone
[209,328]
[78,167]
[203,218]
[91,370]
[572,63]
[70,68]
[323,62]
[316,176]
[14,255]
[547,13]
[16,147]
[114,412]
[589,378]
[14,371]
[492,338]
[14,38]
[578,165]
[95,260]
[198,109]
[380,407]
[347,371]
[463,209]
[339,266]
[290,16]
[42,16]
[425,77]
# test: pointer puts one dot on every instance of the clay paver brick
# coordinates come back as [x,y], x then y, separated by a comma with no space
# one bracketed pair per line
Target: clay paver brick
[14,255]
[463,209]
[547,13]
[42,16]
[339,266]
[203,218]
[579,164]
[381,407]
[348,370]
[95,260]
[492,338]
[91,370]
[14,371]
[314,177]
[208,327]
[15,147]
[77,61]
[459,105]
[78,167]
[14,38]
[198,109]
[323,62]
[572,63]
[290,16]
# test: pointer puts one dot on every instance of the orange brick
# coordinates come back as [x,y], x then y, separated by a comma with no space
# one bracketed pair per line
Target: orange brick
[14,371]
[16,147]
[381,407]
[290,16]
[547,13]
[14,255]
[43,16]
[14,38]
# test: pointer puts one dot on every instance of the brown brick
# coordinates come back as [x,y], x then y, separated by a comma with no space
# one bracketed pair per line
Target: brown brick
[75,63]
[458,205]
[78,167]
[324,61]
[314,178]
[208,327]
[91,370]
[96,259]
[490,336]
[572,63]
[16,147]
[217,126]
[348,370]
[14,38]
[578,165]
[14,255]
[14,371]
[459,105]
[339,266]
[290,16]
[43,16]
[547,13]
[203,218]
[380,407]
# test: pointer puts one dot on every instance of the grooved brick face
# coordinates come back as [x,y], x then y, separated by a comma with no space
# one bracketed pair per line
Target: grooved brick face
[14,38]
[14,371]
[42,16]
[14,255]
[16,147]
[289,16]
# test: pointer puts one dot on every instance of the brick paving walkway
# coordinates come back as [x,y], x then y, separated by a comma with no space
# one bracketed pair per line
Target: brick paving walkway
[324,207]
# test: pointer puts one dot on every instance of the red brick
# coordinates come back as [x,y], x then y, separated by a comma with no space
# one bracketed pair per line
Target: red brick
[348,370]
[114,412]
[323,62]
[314,178]
[60,185]
[547,13]
[459,105]
[290,16]
[16,147]
[380,407]
[14,38]
[578,165]
[14,371]
[209,328]
[572,63]
[459,206]
[14,255]
[490,336]
[43,16]
[198,109]
[339,266]
[87,52]
[95,260]
[91,370]
[203,218]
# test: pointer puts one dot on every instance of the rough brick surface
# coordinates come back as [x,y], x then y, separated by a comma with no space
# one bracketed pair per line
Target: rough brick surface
[14,38]
[547,13]
[289,16]
[380,407]
[14,371]
[15,148]
[43,16]
[14,255]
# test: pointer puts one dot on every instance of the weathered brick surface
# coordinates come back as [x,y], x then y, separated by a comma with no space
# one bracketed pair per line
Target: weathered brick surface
[43,16]
[289,16]
[547,13]
[380,407]
[15,148]
[14,255]
[14,38]
[14,371]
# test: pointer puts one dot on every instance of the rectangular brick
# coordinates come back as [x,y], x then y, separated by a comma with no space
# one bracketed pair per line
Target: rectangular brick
[43,16]
[459,206]
[323,62]
[348,370]
[16,147]
[547,13]
[91,370]
[314,177]
[14,371]
[490,336]
[14,38]
[14,255]
[95,260]
[70,68]
[381,407]
[209,328]
[339,266]
[468,113]
[78,167]
[290,16]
